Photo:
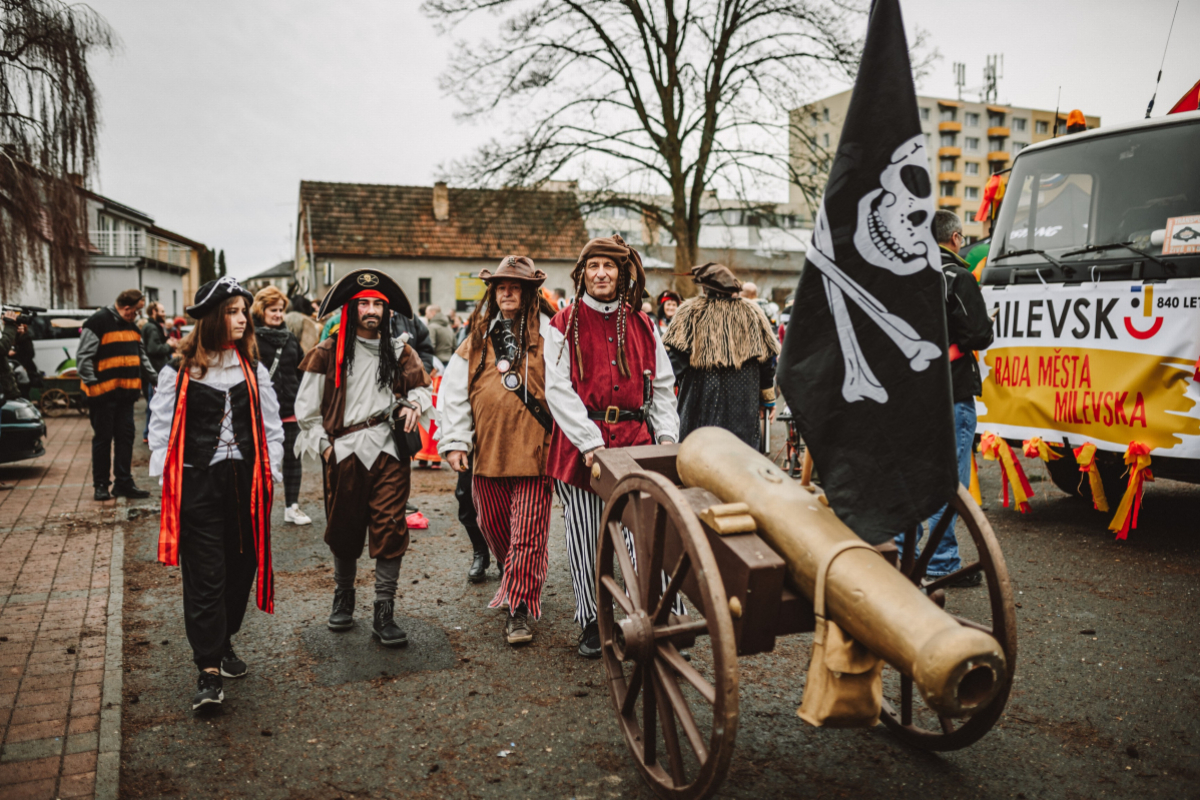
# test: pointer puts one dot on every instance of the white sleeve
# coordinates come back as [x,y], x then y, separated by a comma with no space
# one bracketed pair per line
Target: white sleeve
[311,439]
[566,407]
[663,413]
[162,415]
[455,423]
[422,398]
[269,404]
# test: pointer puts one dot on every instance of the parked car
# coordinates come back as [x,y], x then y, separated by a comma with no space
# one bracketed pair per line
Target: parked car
[56,338]
[21,431]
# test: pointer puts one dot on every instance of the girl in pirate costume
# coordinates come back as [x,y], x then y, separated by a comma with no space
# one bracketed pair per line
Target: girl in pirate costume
[216,440]
[496,403]
[355,384]
[611,356]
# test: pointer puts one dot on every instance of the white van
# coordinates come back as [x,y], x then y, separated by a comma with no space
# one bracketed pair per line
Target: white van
[56,337]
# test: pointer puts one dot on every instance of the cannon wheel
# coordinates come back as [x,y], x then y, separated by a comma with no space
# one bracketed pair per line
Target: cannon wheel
[639,638]
[955,734]
[55,402]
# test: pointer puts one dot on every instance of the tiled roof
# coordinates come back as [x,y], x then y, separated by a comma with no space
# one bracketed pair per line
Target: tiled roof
[283,269]
[398,221]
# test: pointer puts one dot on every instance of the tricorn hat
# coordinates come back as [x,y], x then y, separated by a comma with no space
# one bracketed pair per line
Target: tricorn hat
[211,295]
[716,278]
[371,281]
[514,268]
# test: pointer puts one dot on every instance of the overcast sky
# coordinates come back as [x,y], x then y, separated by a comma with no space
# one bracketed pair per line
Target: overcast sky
[214,112]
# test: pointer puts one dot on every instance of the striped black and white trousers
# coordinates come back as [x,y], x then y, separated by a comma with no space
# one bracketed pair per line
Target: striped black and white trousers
[581,514]
[514,515]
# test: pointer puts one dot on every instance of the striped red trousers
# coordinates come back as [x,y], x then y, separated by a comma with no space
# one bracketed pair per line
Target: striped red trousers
[514,514]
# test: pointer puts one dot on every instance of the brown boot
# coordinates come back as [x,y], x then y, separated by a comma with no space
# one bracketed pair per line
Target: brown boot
[517,629]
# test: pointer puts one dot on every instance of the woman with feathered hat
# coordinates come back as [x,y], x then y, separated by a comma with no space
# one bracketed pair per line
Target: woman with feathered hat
[611,356]
[494,412]
[355,383]
[216,440]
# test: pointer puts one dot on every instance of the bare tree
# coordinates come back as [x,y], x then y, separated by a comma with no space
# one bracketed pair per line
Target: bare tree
[48,122]
[677,95]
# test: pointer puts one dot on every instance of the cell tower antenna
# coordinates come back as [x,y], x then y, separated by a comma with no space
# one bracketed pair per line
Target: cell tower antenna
[960,77]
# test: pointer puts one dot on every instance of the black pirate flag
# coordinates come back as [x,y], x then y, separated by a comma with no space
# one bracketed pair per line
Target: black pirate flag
[864,365]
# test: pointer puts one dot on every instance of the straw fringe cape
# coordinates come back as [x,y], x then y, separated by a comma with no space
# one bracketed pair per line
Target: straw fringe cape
[721,332]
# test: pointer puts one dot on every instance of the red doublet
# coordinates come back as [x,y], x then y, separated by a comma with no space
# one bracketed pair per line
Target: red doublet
[603,385]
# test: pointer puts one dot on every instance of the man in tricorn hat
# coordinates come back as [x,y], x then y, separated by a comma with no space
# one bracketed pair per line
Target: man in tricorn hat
[493,410]
[354,384]
[612,356]
[723,352]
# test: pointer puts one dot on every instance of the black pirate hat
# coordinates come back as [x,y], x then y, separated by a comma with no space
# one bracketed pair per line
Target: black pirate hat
[210,296]
[366,280]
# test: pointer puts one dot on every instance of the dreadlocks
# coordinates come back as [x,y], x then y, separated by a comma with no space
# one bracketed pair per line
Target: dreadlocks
[532,304]
[389,362]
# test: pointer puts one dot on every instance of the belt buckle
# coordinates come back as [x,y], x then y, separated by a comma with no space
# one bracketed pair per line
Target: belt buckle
[611,415]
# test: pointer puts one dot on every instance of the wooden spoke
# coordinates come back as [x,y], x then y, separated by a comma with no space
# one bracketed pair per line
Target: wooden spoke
[947,725]
[670,733]
[945,580]
[651,582]
[631,692]
[649,723]
[663,609]
[935,538]
[669,654]
[627,570]
[666,631]
[618,594]
[682,710]
[970,623]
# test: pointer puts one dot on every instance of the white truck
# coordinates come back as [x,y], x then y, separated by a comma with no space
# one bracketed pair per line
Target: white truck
[1094,279]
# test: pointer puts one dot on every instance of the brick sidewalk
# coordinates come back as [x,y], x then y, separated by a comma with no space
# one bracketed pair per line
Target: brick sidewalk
[60,625]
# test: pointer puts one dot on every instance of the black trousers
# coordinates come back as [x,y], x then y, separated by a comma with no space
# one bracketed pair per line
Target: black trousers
[216,555]
[466,510]
[112,433]
[291,464]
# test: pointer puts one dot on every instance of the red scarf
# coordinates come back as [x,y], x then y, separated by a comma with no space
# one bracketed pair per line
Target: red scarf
[261,491]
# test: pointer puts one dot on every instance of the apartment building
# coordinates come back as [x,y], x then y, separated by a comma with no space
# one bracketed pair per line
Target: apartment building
[966,143]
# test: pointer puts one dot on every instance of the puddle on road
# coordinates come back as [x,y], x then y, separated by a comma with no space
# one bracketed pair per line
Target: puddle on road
[354,655]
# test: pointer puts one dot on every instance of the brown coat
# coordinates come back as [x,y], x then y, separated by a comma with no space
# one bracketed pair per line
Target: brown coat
[322,359]
[509,441]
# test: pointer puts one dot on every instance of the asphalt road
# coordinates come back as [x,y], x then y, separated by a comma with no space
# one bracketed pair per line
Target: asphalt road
[1106,701]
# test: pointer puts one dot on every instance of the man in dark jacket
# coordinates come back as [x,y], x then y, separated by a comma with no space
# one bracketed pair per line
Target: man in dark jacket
[8,382]
[158,350]
[969,328]
[418,337]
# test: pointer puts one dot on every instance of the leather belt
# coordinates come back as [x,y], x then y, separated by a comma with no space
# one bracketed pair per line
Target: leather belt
[378,419]
[612,415]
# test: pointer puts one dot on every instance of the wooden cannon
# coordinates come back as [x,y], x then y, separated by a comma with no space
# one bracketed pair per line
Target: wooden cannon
[718,523]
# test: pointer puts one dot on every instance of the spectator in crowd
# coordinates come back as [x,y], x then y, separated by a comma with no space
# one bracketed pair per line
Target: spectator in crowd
[299,321]
[560,298]
[668,302]
[24,353]
[280,352]
[112,362]
[176,331]
[441,335]
[8,381]
[750,292]
[159,349]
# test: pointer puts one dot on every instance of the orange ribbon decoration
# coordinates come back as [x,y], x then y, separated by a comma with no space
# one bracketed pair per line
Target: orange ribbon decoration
[1085,456]
[974,487]
[1137,457]
[994,448]
[1036,448]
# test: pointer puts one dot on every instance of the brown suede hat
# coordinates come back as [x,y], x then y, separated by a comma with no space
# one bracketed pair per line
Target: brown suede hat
[514,268]
[716,278]
[614,247]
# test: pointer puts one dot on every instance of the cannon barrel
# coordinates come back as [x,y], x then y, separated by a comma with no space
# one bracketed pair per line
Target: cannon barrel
[957,669]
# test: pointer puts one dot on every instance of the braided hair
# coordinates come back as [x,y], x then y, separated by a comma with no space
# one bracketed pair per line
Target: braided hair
[488,309]
[624,286]
[389,362]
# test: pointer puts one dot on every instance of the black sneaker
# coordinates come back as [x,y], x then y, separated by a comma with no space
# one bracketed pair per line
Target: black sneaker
[232,666]
[209,691]
[342,618]
[385,628]
[589,640]
[102,493]
[967,581]
[130,491]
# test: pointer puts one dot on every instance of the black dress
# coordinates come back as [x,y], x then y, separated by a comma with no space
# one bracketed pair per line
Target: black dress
[727,397]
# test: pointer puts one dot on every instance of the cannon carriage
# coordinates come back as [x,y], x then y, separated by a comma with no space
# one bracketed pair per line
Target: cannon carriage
[719,524]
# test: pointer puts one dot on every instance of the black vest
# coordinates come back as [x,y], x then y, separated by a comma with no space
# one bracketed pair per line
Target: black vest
[205,408]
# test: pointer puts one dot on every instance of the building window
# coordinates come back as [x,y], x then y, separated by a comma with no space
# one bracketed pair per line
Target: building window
[928,141]
[971,119]
[826,139]
[825,114]
[995,145]
[1019,146]
[1019,123]
[924,115]
[948,114]
[329,273]
[1041,126]
[948,139]
[998,166]
[174,303]
[971,192]
[996,120]
[151,294]
[816,118]
[947,190]
[947,165]
[972,168]
[424,291]
[973,143]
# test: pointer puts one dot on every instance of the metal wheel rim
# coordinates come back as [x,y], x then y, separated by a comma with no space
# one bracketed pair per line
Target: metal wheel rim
[954,736]
[715,763]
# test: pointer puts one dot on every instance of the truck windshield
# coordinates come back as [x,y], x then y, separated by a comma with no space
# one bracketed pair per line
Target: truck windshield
[1124,188]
